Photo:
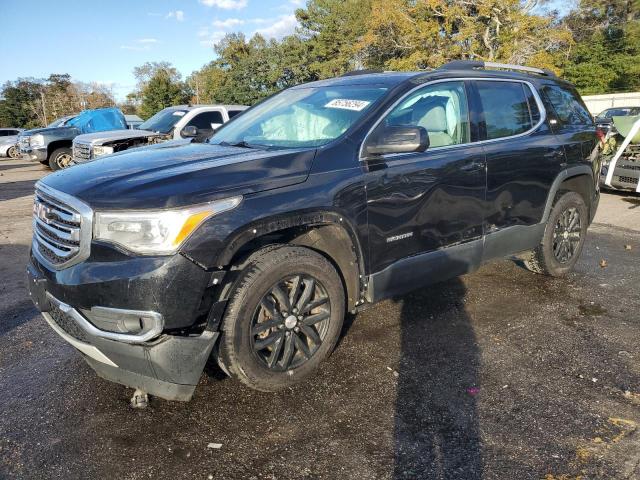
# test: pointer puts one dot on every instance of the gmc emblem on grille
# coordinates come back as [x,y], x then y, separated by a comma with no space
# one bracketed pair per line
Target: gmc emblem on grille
[43,213]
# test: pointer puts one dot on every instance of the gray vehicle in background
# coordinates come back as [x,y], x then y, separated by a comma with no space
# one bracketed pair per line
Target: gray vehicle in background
[604,120]
[180,123]
[9,142]
[52,145]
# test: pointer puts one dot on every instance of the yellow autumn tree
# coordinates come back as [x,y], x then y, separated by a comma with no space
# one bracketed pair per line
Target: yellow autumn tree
[417,34]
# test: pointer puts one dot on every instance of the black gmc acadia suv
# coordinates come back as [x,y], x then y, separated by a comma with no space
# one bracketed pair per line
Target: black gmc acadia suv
[321,200]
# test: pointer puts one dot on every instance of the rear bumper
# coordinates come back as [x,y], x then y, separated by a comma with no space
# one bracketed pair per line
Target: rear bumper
[167,366]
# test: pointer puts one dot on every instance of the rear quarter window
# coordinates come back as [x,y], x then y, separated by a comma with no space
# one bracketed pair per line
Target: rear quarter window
[568,105]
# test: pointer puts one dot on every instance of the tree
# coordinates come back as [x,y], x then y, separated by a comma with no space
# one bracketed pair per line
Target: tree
[418,34]
[607,56]
[17,102]
[162,91]
[159,86]
[247,71]
[331,29]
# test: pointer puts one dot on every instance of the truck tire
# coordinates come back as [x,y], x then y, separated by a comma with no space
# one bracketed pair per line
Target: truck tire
[60,158]
[563,239]
[284,318]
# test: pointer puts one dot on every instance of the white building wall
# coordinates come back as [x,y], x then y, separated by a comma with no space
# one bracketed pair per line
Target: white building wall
[598,103]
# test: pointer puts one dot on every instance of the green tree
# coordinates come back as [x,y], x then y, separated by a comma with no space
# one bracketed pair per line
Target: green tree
[18,104]
[160,86]
[607,55]
[331,29]
[417,34]
[246,71]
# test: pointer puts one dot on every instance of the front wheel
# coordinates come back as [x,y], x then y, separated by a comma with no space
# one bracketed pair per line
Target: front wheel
[563,238]
[13,152]
[284,318]
[60,158]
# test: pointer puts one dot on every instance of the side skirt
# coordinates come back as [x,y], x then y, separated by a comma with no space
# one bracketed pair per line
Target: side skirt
[425,269]
[421,270]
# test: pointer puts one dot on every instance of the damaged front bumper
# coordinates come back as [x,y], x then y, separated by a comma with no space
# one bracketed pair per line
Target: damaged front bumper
[626,176]
[164,365]
[34,154]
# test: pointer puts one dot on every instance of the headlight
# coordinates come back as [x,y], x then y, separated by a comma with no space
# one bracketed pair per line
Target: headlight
[158,232]
[100,150]
[36,140]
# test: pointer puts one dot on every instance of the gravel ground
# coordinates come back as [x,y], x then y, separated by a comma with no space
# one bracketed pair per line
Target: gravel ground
[501,374]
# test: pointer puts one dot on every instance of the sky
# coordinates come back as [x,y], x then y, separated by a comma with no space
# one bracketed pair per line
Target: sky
[102,41]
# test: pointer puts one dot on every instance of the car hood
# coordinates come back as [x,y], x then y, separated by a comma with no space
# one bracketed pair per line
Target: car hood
[49,130]
[99,138]
[179,175]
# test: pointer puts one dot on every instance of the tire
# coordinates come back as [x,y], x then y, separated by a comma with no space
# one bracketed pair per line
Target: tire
[12,152]
[58,158]
[563,239]
[266,349]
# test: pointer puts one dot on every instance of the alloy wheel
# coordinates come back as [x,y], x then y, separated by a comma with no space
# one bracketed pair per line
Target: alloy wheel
[567,235]
[12,152]
[291,322]
[63,160]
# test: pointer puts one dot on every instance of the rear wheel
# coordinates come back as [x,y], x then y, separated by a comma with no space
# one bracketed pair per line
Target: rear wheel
[60,158]
[563,238]
[284,318]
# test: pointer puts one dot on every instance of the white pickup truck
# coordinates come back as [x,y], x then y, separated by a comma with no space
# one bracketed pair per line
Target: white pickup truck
[182,122]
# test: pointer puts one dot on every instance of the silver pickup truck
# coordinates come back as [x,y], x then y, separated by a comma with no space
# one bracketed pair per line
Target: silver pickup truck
[182,122]
[52,145]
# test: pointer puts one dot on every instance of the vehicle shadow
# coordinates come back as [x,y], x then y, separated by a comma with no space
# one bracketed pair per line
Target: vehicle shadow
[12,190]
[436,421]
[14,165]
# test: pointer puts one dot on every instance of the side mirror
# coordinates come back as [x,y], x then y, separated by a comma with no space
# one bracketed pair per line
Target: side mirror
[189,132]
[387,140]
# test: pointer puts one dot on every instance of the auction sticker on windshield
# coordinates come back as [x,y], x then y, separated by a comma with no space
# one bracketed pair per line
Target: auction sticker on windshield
[346,104]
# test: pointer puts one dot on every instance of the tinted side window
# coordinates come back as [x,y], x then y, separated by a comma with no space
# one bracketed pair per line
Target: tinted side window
[509,108]
[567,105]
[233,113]
[4,133]
[204,120]
[441,109]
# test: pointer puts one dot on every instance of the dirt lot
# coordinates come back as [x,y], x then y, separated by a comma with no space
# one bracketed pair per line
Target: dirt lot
[501,374]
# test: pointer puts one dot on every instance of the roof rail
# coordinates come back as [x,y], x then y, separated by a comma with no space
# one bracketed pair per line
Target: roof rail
[360,72]
[476,64]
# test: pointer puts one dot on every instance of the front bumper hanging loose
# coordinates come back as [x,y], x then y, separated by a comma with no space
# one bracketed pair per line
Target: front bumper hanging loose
[167,366]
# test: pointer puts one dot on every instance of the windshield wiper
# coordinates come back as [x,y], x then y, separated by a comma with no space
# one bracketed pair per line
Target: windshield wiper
[241,144]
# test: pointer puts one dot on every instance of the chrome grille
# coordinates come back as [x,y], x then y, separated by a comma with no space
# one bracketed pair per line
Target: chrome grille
[61,228]
[82,151]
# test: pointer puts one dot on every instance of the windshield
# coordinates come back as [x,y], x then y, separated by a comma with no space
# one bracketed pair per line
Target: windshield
[300,117]
[163,121]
